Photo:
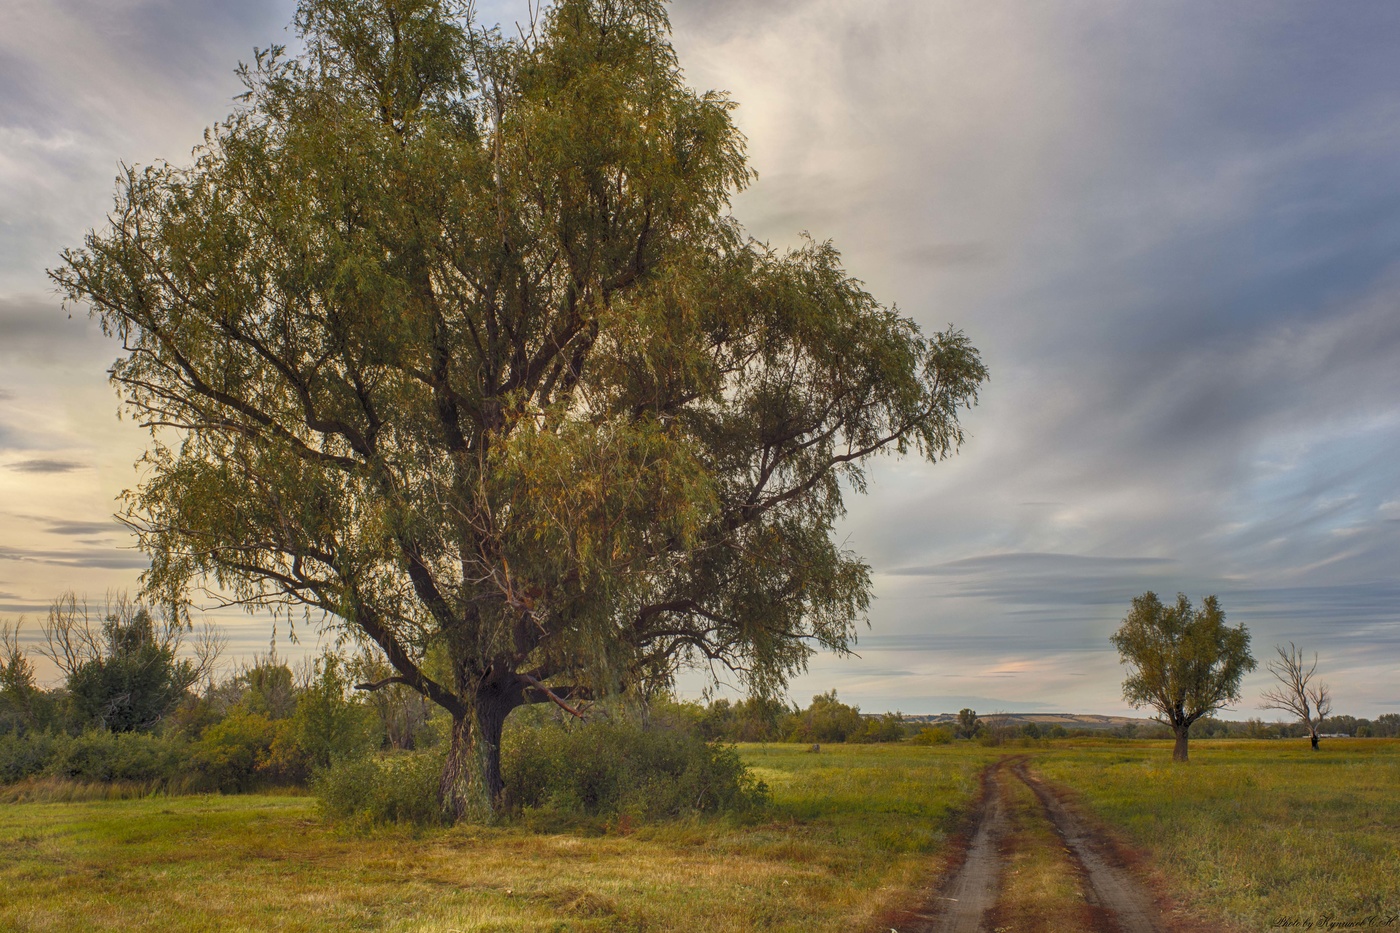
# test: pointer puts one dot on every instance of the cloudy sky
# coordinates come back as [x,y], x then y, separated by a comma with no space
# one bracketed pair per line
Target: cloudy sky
[1173,230]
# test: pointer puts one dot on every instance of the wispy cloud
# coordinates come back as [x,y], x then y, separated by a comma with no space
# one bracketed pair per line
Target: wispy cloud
[106,558]
[46,465]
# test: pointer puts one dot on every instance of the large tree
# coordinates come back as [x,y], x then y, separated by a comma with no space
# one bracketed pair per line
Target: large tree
[451,337]
[1185,663]
[1298,692]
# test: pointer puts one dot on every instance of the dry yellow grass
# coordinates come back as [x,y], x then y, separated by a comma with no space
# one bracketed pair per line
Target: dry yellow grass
[852,830]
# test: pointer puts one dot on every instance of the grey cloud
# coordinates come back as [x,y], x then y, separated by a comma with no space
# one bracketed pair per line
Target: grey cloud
[78,528]
[106,558]
[44,465]
[36,331]
[1031,563]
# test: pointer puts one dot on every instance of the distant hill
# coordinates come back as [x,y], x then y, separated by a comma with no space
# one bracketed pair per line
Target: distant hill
[1068,720]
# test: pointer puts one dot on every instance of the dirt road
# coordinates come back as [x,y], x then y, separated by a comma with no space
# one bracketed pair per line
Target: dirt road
[972,900]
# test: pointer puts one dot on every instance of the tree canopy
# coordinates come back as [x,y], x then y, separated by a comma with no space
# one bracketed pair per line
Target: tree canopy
[1185,663]
[451,336]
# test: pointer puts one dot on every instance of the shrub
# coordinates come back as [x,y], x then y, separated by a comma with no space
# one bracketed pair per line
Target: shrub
[933,735]
[400,789]
[612,767]
[24,755]
[327,725]
[233,754]
[99,755]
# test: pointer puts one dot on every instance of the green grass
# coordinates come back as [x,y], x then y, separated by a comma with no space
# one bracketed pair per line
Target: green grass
[1256,833]
[1260,833]
[1040,887]
[852,830]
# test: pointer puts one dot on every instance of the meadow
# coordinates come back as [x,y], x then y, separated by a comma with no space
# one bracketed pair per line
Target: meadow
[1249,835]
[851,830]
[1258,834]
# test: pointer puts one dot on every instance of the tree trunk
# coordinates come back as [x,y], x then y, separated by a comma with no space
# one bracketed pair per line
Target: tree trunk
[472,787]
[456,788]
[1313,736]
[1182,734]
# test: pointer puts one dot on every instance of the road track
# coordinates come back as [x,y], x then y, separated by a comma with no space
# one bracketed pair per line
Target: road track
[968,900]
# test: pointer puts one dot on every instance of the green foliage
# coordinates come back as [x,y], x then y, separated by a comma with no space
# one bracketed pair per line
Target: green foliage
[95,756]
[456,341]
[888,727]
[826,720]
[100,755]
[122,675]
[612,767]
[389,789]
[236,754]
[24,754]
[969,726]
[933,735]
[327,725]
[23,706]
[267,687]
[753,719]
[1182,662]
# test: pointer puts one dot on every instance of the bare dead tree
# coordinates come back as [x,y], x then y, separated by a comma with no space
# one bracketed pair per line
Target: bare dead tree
[70,638]
[1297,693]
[998,727]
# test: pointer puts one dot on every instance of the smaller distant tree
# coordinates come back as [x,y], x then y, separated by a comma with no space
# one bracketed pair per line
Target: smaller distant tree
[827,720]
[968,723]
[997,728]
[123,674]
[328,724]
[1298,692]
[266,686]
[1185,663]
[18,690]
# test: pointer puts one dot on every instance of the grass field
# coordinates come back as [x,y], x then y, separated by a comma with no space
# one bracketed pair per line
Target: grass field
[1254,834]
[1266,835]
[852,830]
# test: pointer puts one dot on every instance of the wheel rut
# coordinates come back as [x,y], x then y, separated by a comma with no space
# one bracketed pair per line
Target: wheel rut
[1111,887]
[969,900]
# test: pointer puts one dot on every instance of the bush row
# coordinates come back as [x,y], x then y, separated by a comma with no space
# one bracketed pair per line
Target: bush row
[606,768]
